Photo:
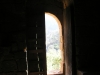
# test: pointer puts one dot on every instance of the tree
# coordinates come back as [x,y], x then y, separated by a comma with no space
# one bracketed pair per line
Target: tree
[53,39]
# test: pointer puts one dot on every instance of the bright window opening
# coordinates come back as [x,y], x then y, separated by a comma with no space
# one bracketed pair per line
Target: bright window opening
[53,44]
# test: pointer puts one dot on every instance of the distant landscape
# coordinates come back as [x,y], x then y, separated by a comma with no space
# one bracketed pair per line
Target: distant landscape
[52,34]
[52,44]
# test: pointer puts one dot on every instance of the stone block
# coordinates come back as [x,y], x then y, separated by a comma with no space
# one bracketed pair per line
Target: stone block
[32,56]
[8,57]
[21,45]
[21,73]
[14,47]
[22,66]
[33,66]
[19,55]
[8,66]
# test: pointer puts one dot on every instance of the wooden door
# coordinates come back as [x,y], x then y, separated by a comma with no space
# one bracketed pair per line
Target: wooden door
[36,53]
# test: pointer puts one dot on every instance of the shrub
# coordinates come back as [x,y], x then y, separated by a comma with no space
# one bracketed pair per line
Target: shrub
[53,59]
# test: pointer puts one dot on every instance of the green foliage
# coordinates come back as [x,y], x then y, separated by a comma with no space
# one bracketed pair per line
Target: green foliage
[56,47]
[52,47]
[53,60]
[53,39]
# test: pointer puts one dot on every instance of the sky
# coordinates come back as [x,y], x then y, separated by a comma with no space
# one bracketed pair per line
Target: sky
[51,23]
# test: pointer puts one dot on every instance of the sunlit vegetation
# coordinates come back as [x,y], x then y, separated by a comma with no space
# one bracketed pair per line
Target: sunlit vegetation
[52,45]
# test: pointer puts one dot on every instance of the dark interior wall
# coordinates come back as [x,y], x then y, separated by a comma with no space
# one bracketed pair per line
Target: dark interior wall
[13,27]
[67,40]
[15,16]
[56,8]
[12,37]
[86,16]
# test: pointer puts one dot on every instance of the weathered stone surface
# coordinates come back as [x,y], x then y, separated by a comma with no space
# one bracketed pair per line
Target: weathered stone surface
[32,56]
[33,66]
[21,73]
[21,45]
[14,47]
[18,55]
[8,66]
[21,65]
[8,57]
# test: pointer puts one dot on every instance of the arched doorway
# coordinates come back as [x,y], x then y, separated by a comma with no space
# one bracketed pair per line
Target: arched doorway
[54,44]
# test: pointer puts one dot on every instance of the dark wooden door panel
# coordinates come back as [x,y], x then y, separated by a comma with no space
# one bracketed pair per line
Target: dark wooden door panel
[36,49]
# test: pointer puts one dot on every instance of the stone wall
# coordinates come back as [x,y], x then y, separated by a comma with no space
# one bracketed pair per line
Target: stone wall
[87,35]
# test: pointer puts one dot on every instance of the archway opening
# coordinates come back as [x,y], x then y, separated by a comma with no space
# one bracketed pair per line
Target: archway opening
[54,48]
